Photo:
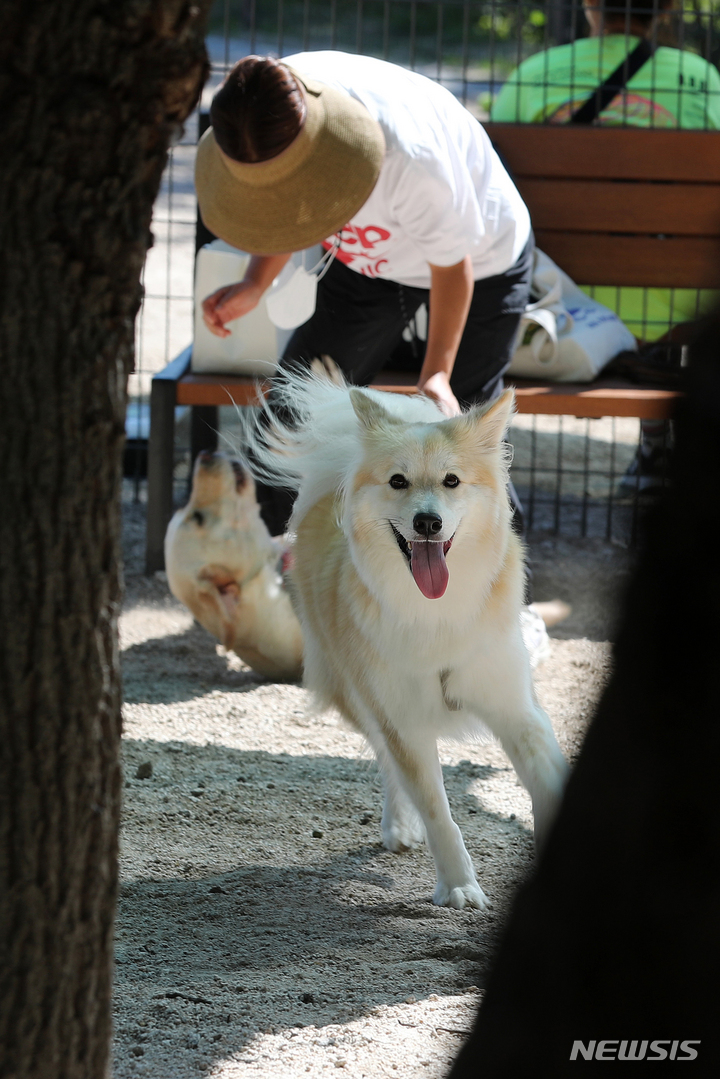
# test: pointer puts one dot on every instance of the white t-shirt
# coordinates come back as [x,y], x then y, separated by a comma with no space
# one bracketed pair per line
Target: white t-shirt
[442,192]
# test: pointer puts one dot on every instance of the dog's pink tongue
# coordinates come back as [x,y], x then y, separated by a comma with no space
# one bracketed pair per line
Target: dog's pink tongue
[429,568]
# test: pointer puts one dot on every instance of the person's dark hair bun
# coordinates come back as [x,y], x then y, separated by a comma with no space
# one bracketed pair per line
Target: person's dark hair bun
[258,111]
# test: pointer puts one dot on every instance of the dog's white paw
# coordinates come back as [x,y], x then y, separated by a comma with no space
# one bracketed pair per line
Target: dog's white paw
[403,834]
[464,895]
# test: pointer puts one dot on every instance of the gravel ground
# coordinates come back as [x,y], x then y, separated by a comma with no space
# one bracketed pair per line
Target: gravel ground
[262,928]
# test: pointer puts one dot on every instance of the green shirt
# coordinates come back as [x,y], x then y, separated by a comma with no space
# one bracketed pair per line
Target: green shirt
[673,89]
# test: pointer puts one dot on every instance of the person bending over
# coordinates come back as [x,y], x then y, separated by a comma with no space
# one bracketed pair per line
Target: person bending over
[393,170]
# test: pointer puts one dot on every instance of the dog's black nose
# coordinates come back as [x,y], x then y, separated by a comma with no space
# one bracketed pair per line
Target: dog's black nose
[206,457]
[427,524]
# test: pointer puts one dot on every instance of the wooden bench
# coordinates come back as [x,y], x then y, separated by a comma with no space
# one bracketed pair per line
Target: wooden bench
[612,206]
[620,206]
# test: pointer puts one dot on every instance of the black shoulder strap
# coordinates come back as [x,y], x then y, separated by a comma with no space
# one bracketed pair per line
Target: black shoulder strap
[614,83]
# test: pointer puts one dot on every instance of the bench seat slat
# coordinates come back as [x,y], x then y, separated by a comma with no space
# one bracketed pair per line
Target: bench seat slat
[219,390]
[604,397]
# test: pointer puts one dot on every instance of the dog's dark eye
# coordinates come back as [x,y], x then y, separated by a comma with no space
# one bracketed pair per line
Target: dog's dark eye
[198,517]
[398,482]
[450,480]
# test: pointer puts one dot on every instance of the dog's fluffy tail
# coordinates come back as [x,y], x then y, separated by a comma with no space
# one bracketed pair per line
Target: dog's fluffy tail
[325,366]
[307,437]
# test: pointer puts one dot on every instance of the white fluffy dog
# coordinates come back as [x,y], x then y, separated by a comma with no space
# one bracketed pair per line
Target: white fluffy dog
[222,563]
[408,583]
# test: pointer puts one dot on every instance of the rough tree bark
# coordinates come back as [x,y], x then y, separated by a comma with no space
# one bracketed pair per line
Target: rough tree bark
[91,93]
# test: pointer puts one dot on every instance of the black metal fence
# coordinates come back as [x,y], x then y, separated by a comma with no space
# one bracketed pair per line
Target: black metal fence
[584,477]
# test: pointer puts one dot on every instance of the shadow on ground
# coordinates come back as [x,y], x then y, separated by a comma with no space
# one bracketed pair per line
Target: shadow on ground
[258,897]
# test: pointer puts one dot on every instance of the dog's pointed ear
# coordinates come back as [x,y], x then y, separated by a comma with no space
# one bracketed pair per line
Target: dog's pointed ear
[369,411]
[490,422]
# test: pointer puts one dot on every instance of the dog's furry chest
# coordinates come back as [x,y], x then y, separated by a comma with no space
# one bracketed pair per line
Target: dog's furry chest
[432,646]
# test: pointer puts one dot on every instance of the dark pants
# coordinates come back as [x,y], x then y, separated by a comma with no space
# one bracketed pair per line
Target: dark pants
[359,322]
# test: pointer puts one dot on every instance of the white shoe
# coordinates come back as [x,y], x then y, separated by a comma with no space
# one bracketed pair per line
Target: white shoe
[535,635]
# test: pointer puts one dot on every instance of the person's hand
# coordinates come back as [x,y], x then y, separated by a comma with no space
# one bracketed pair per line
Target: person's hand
[438,388]
[228,303]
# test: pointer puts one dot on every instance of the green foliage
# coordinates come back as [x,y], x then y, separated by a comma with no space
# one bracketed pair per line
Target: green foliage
[510,21]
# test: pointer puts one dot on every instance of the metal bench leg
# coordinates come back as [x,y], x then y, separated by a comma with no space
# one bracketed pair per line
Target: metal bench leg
[161,459]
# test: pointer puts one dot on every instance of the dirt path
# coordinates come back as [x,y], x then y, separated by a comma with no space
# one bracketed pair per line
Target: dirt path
[262,929]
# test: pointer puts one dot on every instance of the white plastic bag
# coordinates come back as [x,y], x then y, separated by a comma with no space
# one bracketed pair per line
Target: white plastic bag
[574,336]
[257,339]
[291,297]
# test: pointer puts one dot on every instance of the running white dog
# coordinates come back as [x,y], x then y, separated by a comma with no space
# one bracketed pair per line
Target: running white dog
[222,563]
[408,583]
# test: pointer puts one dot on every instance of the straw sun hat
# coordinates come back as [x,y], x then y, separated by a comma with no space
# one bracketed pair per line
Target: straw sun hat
[307,192]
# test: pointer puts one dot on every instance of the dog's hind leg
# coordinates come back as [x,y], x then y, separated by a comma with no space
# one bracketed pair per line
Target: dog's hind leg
[402,827]
[503,698]
[530,744]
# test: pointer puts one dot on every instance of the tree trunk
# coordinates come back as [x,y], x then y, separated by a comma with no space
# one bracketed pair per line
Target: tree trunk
[91,93]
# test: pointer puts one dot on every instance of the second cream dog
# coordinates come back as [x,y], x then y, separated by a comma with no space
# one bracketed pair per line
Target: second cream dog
[222,563]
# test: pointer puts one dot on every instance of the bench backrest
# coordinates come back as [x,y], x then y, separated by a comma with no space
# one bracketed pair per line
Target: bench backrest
[620,206]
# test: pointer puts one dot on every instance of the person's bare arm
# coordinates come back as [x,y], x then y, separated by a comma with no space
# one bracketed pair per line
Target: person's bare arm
[451,289]
[233,301]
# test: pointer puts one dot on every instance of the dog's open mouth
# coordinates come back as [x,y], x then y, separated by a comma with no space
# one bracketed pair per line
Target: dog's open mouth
[426,559]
